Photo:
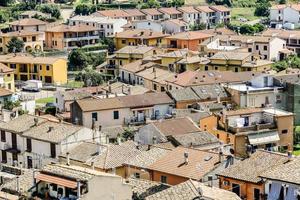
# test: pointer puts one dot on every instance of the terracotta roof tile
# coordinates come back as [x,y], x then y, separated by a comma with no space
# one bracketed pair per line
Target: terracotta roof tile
[113,13]
[205,9]
[140,33]
[27,22]
[151,11]
[169,11]
[220,8]
[188,9]
[190,35]
[68,28]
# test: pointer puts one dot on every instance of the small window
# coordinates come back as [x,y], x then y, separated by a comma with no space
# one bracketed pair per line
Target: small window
[123,41]
[137,175]
[256,194]
[257,47]
[47,67]
[162,89]
[163,179]
[284,131]
[265,48]
[3,136]
[54,187]
[29,145]
[154,87]
[216,68]
[116,114]
[95,116]
[206,68]
[53,150]
[249,49]
[41,67]
[33,38]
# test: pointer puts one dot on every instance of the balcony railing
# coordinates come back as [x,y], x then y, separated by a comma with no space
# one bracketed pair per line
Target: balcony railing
[255,127]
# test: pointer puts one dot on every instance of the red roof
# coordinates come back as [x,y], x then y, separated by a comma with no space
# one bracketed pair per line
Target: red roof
[57,180]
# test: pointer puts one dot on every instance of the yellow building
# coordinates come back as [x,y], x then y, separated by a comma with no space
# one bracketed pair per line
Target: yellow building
[33,41]
[47,69]
[7,79]
[139,37]
[236,62]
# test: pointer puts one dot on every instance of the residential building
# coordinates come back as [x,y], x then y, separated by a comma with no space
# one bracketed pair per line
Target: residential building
[137,167]
[170,13]
[182,164]
[190,15]
[281,180]
[147,24]
[172,26]
[153,14]
[31,142]
[191,63]
[193,190]
[260,92]
[222,13]
[154,78]
[267,48]
[257,128]
[291,37]
[138,37]
[193,78]
[128,72]
[237,62]
[115,14]
[106,26]
[122,110]
[107,158]
[28,24]
[47,69]
[243,178]
[5,95]
[284,16]
[135,14]
[7,79]
[189,40]
[207,15]
[158,132]
[65,37]
[65,181]
[187,97]
[33,41]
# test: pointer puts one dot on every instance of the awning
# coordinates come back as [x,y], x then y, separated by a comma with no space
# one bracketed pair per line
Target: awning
[263,137]
[57,180]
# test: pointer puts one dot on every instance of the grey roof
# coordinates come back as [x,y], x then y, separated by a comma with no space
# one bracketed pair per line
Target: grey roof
[251,168]
[210,91]
[143,188]
[75,95]
[196,139]
[113,131]
[288,172]
[146,158]
[21,123]
[189,190]
[82,152]
[184,94]
[194,115]
[52,131]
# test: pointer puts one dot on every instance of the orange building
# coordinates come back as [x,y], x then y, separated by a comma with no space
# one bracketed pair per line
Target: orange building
[189,40]
[182,164]
[65,37]
[243,178]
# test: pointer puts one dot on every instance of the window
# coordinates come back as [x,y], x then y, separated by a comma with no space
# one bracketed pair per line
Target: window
[236,188]
[41,67]
[13,66]
[33,38]
[249,49]
[47,67]
[53,150]
[257,47]
[95,116]
[163,179]
[120,62]
[4,157]
[216,68]
[162,89]
[29,146]
[137,175]
[54,187]
[154,86]
[3,137]
[116,114]
[265,48]
[256,194]
[265,57]
[123,41]
[236,69]
[24,39]
[206,68]
[284,131]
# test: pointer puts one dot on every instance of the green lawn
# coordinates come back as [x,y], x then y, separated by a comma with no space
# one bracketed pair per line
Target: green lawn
[74,84]
[247,13]
[45,100]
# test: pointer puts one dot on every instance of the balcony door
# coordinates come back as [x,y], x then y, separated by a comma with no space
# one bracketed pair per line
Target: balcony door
[14,140]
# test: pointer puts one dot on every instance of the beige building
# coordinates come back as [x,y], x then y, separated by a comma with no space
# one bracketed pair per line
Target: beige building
[28,24]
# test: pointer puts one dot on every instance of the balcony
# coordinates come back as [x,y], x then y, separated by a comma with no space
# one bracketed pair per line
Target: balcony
[79,38]
[256,127]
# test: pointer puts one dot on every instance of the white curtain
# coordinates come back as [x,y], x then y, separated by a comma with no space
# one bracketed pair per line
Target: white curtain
[291,194]
[275,191]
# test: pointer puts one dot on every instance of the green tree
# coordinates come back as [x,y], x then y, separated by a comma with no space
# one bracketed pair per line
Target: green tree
[89,76]
[9,105]
[151,4]
[85,9]
[110,44]
[282,1]
[6,2]
[128,134]
[290,62]
[262,8]
[78,60]
[50,9]
[196,27]
[15,45]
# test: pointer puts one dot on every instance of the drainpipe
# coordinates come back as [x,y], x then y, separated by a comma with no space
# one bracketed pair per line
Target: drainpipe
[78,189]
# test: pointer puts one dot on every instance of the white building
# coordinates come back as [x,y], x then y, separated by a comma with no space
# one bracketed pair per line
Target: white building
[30,141]
[172,26]
[147,24]
[190,15]
[107,26]
[284,15]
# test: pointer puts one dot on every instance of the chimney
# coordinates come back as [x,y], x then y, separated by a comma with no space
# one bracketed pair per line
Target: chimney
[186,157]
[36,121]
[68,158]
[78,189]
